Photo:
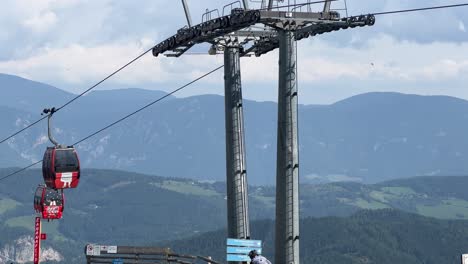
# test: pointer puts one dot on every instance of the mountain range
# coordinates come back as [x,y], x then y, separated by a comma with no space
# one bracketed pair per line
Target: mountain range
[366,138]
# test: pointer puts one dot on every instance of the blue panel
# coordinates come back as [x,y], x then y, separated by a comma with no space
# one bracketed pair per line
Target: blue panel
[231,257]
[244,243]
[117,261]
[242,250]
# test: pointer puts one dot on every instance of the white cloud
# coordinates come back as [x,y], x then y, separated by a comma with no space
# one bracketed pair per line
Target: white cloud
[328,73]
[42,22]
[81,66]
[461,26]
[384,59]
[78,42]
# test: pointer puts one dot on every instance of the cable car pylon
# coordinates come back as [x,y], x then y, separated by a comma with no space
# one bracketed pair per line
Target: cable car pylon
[236,172]
[287,161]
[237,33]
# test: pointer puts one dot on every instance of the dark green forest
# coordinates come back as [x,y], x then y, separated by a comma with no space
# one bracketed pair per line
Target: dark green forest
[384,236]
[123,208]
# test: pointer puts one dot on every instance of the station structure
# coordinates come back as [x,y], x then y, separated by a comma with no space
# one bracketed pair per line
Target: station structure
[239,31]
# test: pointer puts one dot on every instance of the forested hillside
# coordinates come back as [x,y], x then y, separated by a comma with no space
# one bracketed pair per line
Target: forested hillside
[161,208]
[381,236]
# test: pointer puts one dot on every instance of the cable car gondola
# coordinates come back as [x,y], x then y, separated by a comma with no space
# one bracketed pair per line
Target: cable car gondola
[60,165]
[49,202]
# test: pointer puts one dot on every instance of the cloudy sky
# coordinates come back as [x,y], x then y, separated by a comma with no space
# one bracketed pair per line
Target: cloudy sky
[72,44]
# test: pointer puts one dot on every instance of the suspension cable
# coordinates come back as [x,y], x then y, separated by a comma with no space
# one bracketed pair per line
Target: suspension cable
[144,53]
[79,95]
[182,87]
[125,117]
[419,9]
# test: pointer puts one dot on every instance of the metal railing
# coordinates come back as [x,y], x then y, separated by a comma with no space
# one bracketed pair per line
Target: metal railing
[230,5]
[208,15]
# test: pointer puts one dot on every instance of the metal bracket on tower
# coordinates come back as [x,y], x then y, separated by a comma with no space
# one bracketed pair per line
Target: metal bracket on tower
[270,4]
[326,7]
[187,13]
[246,4]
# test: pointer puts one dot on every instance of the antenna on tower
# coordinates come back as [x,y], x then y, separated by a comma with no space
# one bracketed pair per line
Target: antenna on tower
[326,7]
[270,4]
[246,4]
[187,13]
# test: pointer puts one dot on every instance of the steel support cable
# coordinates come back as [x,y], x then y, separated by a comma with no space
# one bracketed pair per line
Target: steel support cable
[23,129]
[150,104]
[419,9]
[20,170]
[117,71]
[379,13]
[79,95]
[125,117]
[92,87]
[141,55]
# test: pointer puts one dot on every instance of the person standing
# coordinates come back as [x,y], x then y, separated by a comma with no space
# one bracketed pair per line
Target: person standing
[258,259]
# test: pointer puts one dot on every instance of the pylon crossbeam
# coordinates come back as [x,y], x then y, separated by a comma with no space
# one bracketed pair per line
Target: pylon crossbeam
[219,28]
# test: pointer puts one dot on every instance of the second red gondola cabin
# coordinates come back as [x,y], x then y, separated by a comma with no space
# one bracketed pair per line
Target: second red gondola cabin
[61,168]
[49,202]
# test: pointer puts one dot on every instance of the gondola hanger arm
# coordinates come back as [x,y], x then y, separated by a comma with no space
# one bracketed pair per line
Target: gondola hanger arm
[49,112]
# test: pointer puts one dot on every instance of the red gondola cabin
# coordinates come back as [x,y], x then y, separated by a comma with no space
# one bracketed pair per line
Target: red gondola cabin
[49,202]
[61,168]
